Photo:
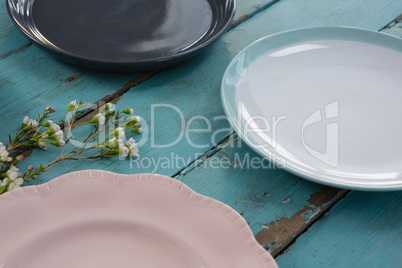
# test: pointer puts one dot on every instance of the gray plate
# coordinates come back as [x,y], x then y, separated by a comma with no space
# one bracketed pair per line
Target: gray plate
[122,35]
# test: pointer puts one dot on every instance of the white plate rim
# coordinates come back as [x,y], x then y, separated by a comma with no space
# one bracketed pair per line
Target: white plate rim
[237,126]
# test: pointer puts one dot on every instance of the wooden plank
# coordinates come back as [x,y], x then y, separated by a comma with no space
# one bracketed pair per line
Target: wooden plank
[362,230]
[394,28]
[192,87]
[50,81]
[277,205]
[12,41]
[369,235]
[285,231]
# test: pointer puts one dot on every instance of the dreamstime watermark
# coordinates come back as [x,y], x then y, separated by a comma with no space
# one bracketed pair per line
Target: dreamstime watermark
[170,128]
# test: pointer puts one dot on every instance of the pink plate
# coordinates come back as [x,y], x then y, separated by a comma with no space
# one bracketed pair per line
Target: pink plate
[98,219]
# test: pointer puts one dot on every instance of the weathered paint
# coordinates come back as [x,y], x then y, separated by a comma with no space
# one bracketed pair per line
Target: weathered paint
[194,88]
[48,80]
[362,230]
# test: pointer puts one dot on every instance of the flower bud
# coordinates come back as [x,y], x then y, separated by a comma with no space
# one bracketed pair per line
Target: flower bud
[47,124]
[137,130]
[25,122]
[48,108]
[30,167]
[70,107]
[56,143]
[110,113]
[50,131]
[128,111]
[20,158]
[106,107]
[94,120]
[133,120]
[112,144]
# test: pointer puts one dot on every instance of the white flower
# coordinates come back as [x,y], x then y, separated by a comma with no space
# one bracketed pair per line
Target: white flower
[34,124]
[113,145]
[131,142]
[15,184]
[13,179]
[135,152]
[13,172]
[26,120]
[56,127]
[42,144]
[30,122]
[59,135]
[4,154]
[132,146]
[120,133]
[124,151]
[101,119]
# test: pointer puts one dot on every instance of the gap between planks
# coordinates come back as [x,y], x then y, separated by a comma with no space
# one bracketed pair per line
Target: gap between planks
[279,235]
[114,97]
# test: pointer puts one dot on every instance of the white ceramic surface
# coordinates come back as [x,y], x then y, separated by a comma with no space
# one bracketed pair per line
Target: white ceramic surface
[324,103]
[98,219]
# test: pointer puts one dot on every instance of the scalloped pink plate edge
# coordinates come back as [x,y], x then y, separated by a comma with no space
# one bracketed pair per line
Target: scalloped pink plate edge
[95,218]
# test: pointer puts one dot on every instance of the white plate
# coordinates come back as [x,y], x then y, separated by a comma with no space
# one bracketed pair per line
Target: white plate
[98,219]
[323,103]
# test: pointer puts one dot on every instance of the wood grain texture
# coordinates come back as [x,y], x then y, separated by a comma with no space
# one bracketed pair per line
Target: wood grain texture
[362,230]
[281,234]
[394,28]
[277,205]
[264,196]
[12,40]
[194,87]
[49,81]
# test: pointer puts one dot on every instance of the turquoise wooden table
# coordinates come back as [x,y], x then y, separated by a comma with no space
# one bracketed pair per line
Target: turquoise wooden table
[301,223]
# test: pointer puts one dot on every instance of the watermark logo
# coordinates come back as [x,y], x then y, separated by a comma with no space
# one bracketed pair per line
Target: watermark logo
[331,154]
[202,133]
